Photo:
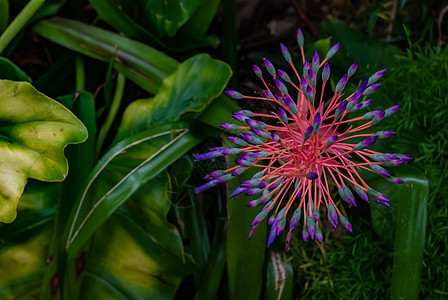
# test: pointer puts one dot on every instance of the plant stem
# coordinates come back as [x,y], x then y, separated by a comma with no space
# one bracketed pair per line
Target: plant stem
[80,74]
[17,24]
[116,101]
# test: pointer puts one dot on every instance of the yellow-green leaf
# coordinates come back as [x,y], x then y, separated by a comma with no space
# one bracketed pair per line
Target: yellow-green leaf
[34,130]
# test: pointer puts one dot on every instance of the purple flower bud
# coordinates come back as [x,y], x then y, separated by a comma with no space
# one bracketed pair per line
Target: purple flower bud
[403,157]
[366,143]
[239,171]
[254,203]
[245,113]
[312,78]
[283,75]
[319,236]
[267,94]
[378,117]
[249,137]
[361,193]
[257,71]
[269,66]
[306,67]
[395,180]
[311,175]
[366,103]
[371,114]
[295,219]
[272,236]
[310,94]
[280,226]
[332,214]
[352,69]
[372,89]
[331,140]
[300,37]
[341,84]
[391,110]
[212,183]
[250,183]
[315,62]
[291,105]
[260,133]
[281,86]
[380,170]
[240,118]
[282,115]
[272,219]
[303,85]
[304,234]
[311,225]
[374,78]
[308,133]
[326,72]
[253,192]
[345,223]
[252,231]
[340,110]
[238,190]
[234,94]
[288,241]
[285,53]
[237,141]
[347,195]
[315,214]
[377,195]
[385,134]
[214,174]
[393,163]
[275,137]
[316,123]
[262,125]
[332,51]
[228,126]
[361,88]
[260,217]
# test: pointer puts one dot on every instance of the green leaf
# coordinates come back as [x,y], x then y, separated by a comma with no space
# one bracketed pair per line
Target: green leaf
[9,70]
[4,14]
[139,62]
[190,88]
[137,240]
[34,130]
[140,157]
[410,235]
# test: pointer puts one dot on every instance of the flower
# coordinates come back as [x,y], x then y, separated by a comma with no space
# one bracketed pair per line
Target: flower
[306,147]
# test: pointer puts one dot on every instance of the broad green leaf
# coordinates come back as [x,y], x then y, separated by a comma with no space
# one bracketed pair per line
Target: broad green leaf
[9,70]
[190,88]
[140,158]
[4,14]
[137,240]
[34,131]
[139,62]
[410,235]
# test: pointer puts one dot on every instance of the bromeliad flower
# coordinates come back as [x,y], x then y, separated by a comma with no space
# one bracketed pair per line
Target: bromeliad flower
[306,147]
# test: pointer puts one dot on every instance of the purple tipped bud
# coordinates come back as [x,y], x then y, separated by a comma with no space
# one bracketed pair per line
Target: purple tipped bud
[288,241]
[250,183]
[315,214]
[340,110]
[395,180]
[253,192]
[249,137]
[316,123]
[385,204]
[378,117]
[341,84]
[304,234]
[372,89]
[366,143]
[275,137]
[393,163]
[332,214]
[315,62]
[281,86]
[272,236]
[214,174]
[371,114]
[291,105]
[308,133]
[283,75]
[306,67]
[228,126]
[319,236]
[257,71]
[238,190]
[260,217]
[282,115]
[213,182]
[237,141]
[252,123]
[366,103]
[380,170]
[234,94]
[260,133]
[303,85]
[391,110]
[352,69]
[377,195]
[300,37]
[312,78]
[245,113]
[361,88]
[312,175]
[254,203]
[272,219]
[326,72]
[285,53]
[362,194]
[385,134]
[381,157]
[332,51]
[269,67]
[331,140]
[311,225]
[310,94]
[252,231]
[280,226]
[295,219]
[239,171]
[347,195]
[403,157]
[345,223]
[240,118]
[267,94]
[374,78]
[262,125]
